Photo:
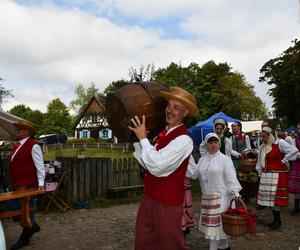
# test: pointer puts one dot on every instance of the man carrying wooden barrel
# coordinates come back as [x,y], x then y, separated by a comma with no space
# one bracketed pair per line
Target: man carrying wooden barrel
[26,170]
[159,218]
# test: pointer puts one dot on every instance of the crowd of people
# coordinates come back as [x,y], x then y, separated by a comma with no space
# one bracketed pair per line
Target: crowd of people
[168,162]
[165,216]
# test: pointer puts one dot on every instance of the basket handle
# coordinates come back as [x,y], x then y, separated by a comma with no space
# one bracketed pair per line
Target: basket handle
[241,201]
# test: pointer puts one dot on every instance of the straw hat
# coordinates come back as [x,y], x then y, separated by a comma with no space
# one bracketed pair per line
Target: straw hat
[24,124]
[181,95]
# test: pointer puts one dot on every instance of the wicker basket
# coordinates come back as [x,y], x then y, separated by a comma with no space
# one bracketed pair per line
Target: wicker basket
[248,165]
[235,224]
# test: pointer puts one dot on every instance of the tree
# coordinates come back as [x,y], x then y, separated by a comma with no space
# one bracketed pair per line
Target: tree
[83,96]
[27,113]
[57,119]
[283,75]
[216,88]
[143,74]
[4,93]
[115,85]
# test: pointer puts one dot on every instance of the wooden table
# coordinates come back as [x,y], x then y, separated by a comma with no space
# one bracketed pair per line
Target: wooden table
[24,196]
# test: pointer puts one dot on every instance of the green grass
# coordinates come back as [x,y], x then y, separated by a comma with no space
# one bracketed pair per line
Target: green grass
[88,152]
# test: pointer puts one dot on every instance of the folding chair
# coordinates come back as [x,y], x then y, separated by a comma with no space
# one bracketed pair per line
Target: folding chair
[54,196]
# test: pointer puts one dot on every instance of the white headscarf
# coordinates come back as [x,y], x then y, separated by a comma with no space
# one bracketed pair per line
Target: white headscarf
[210,135]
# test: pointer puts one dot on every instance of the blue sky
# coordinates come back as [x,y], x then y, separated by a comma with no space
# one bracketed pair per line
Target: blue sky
[48,47]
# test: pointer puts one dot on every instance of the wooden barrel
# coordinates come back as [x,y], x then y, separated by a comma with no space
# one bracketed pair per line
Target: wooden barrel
[248,165]
[136,99]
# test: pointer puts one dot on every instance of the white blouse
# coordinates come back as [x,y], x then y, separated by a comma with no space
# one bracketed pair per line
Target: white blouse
[216,174]
[290,153]
[165,161]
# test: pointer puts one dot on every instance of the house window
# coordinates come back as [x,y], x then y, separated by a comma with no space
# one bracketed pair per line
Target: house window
[105,133]
[84,134]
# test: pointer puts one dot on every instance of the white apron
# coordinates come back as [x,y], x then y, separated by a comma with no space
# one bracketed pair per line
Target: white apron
[267,189]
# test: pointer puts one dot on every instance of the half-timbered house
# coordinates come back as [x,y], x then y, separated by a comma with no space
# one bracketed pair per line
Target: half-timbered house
[91,121]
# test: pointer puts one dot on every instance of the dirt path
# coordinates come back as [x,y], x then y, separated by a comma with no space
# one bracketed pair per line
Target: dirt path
[113,228]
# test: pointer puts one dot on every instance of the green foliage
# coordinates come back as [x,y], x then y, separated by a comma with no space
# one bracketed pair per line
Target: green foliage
[83,96]
[27,113]
[282,74]
[115,85]
[216,88]
[57,119]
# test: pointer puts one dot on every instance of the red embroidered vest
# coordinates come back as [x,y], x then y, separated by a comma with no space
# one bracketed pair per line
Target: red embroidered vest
[170,189]
[22,169]
[273,159]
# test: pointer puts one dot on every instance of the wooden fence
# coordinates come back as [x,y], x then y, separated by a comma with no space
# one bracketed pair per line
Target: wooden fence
[125,147]
[93,177]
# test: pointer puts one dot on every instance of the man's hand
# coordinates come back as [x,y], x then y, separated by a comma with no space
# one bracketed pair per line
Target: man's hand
[139,128]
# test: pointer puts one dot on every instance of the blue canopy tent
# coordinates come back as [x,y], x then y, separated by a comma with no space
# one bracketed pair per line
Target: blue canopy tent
[290,129]
[201,129]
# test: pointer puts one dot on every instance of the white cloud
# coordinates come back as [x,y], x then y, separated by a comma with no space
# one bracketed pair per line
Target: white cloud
[51,49]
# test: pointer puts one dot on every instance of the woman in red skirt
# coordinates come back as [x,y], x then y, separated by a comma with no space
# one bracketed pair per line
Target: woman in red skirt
[272,165]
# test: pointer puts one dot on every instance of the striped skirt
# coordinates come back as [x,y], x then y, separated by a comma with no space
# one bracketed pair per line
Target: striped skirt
[187,218]
[210,218]
[294,177]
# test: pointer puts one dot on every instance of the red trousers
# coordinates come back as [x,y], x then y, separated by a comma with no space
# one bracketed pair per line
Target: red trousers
[158,226]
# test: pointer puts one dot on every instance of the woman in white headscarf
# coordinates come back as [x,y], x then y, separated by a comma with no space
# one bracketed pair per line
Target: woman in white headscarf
[219,185]
[273,166]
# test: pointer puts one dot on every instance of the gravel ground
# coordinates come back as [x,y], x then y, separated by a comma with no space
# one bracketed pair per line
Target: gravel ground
[113,228]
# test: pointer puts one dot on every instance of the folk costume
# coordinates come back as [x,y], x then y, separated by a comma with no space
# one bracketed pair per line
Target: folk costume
[219,185]
[160,215]
[271,166]
[239,142]
[294,179]
[26,170]
[159,219]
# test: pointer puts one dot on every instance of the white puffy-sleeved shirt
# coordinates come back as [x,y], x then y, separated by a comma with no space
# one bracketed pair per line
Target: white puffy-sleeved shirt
[217,174]
[38,160]
[290,153]
[248,146]
[165,161]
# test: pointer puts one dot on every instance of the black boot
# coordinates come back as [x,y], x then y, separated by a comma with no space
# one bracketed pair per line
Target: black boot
[23,240]
[228,248]
[276,222]
[260,207]
[296,209]
[273,221]
[35,228]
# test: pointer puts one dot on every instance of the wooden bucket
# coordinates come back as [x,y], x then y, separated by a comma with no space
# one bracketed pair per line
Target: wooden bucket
[136,99]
